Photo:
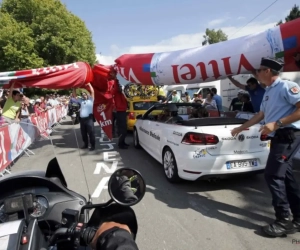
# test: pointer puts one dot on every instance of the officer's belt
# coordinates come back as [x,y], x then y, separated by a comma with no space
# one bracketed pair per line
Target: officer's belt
[88,117]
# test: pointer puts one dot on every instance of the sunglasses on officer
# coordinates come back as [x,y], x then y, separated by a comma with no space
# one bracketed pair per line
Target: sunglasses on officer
[261,69]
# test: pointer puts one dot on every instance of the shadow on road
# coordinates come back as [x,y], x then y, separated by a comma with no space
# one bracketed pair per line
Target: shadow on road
[250,193]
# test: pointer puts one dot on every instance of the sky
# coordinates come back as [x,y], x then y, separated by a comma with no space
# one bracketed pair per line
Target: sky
[140,26]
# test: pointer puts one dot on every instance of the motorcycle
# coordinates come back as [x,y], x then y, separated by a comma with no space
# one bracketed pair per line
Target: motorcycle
[37,209]
[73,111]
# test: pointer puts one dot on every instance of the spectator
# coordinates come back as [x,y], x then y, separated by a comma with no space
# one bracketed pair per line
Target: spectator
[236,103]
[217,99]
[24,111]
[4,98]
[197,98]
[187,97]
[209,102]
[43,105]
[247,106]
[49,101]
[36,107]
[255,90]
[161,95]
[29,106]
[175,97]
[12,106]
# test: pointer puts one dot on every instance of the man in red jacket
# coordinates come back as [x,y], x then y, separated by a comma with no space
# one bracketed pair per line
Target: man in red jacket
[121,114]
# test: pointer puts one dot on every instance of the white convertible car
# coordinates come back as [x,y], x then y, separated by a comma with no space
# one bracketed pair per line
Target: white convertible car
[199,148]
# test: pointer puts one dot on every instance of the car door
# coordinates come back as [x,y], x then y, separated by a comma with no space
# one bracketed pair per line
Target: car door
[149,138]
[156,134]
[144,128]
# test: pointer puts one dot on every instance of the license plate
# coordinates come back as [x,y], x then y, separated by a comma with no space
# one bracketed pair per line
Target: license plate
[241,164]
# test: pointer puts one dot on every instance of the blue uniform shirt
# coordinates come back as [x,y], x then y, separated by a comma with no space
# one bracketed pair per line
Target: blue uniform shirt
[279,101]
[256,96]
[218,100]
[86,107]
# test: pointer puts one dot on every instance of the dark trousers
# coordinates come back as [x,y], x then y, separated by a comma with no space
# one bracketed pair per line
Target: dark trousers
[114,122]
[280,178]
[87,130]
[121,126]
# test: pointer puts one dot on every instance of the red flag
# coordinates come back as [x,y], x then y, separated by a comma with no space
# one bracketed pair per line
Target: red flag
[103,103]
[103,109]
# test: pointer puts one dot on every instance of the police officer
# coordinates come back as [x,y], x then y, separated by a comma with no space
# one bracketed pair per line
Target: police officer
[280,110]
[87,128]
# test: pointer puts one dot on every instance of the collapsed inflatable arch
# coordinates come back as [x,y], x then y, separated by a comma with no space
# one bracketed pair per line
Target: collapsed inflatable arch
[216,61]
[196,65]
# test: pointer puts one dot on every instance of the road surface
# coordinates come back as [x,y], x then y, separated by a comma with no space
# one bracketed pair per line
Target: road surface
[186,216]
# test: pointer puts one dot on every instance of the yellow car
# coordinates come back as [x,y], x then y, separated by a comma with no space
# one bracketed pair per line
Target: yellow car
[138,106]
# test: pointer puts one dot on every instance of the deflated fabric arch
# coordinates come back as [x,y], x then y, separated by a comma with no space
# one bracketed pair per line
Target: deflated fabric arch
[216,61]
[196,65]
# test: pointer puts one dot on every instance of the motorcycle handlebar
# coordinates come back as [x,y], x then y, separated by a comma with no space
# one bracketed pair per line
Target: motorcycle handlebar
[78,233]
[59,232]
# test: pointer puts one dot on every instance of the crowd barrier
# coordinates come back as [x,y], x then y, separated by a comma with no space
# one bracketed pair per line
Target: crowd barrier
[17,137]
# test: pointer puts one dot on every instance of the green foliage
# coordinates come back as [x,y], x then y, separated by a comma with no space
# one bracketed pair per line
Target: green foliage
[214,36]
[17,45]
[44,33]
[32,92]
[294,14]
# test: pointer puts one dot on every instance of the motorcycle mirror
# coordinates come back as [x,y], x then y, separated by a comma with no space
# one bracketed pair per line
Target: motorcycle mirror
[126,186]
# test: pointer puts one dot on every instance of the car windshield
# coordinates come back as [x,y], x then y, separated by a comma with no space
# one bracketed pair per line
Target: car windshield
[145,105]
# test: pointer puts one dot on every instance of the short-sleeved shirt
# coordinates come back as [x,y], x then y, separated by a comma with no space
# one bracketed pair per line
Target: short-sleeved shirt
[11,108]
[256,96]
[218,100]
[248,107]
[280,101]
[236,104]
[175,99]
[86,108]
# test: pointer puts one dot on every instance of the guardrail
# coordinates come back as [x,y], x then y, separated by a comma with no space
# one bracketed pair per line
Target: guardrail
[17,137]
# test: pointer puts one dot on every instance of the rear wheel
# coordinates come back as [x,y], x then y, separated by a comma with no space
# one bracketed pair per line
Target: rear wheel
[136,139]
[170,166]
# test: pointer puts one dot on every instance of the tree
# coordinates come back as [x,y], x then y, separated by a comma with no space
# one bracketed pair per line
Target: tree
[17,46]
[44,33]
[294,14]
[214,36]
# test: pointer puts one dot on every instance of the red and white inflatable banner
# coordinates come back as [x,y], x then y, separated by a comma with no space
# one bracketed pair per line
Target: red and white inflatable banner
[16,137]
[196,65]
[216,61]
[67,76]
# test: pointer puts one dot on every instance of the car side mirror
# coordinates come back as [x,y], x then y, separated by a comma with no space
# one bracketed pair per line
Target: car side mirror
[139,117]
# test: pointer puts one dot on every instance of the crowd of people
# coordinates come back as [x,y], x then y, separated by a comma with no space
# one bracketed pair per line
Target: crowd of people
[15,106]
[249,97]
[212,100]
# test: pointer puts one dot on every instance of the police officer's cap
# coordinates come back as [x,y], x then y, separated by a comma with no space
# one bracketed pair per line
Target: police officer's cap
[271,63]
